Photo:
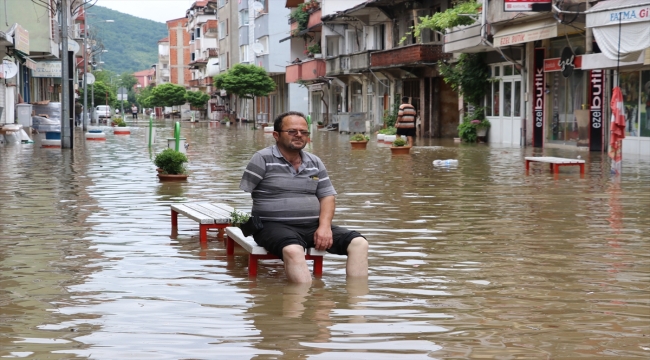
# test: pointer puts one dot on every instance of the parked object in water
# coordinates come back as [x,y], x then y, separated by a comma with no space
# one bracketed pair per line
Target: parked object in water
[448,162]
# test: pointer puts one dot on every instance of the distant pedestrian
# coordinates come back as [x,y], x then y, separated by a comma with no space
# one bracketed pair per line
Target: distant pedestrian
[78,110]
[134,111]
[406,120]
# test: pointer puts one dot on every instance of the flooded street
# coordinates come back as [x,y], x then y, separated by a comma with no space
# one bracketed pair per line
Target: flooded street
[475,262]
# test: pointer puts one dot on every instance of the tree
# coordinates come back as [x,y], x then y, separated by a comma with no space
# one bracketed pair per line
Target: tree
[128,81]
[103,94]
[245,81]
[197,99]
[168,95]
[145,96]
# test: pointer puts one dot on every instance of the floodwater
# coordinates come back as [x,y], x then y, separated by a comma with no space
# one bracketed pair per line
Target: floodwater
[476,262]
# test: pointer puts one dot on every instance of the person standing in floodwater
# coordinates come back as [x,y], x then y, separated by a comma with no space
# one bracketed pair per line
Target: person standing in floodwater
[405,123]
[134,111]
[295,200]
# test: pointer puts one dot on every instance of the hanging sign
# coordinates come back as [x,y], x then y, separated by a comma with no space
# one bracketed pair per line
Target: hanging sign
[555,64]
[539,84]
[21,40]
[47,69]
[596,79]
[567,62]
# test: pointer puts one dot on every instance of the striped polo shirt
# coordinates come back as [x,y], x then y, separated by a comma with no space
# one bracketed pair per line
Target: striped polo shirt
[280,193]
[406,116]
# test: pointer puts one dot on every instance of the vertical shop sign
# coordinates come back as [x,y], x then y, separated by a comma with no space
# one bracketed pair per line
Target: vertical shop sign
[596,110]
[538,98]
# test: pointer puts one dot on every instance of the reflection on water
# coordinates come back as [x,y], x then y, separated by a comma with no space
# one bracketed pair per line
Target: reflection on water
[477,261]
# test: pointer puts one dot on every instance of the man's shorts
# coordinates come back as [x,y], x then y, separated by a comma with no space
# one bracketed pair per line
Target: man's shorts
[276,235]
[406,132]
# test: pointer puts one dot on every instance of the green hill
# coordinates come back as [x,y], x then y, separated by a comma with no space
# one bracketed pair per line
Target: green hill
[132,42]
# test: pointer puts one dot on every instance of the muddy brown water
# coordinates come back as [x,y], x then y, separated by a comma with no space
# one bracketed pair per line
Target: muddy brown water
[480,261]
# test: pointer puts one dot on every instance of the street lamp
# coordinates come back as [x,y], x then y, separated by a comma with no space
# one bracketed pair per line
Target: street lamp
[85,111]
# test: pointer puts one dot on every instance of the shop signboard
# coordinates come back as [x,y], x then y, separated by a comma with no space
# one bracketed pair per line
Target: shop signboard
[539,83]
[47,69]
[596,98]
[522,5]
[555,64]
[21,40]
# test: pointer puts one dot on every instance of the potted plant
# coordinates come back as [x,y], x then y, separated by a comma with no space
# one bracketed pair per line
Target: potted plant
[399,147]
[314,50]
[172,163]
[390,135]
[120,127]
[359,141]
[320,125]
[237,218]
[474,125]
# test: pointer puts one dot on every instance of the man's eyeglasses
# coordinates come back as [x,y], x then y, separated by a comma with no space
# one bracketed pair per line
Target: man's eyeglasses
[293,132]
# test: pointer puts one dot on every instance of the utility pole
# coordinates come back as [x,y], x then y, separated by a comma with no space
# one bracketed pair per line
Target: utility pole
[85,78]
[66,129]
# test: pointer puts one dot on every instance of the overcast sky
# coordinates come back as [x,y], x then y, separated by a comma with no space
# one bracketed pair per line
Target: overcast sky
[156,10]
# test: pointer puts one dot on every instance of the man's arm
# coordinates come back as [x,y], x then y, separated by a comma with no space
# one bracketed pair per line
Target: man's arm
[323,235]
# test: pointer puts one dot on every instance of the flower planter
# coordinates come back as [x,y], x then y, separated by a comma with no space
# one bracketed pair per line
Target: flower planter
[389,138]
[159,170]
[172,177]
[400,150]
[358,145]
[380,137]
[123,130]
[482,131]
[320,126]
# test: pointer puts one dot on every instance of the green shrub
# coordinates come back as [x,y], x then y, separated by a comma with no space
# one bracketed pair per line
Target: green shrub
[171,161]
[238,217]
[399,142]
[359,137]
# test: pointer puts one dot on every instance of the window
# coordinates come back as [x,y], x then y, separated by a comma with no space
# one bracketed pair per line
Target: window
[243,54]
[264,40]
[332,45]
[243,17]
[222,60]
[191,38]
[357,97]
[351,43]
[380,37]
[222,3]
[193,55]
[264,10]
[197,33]
[223,29]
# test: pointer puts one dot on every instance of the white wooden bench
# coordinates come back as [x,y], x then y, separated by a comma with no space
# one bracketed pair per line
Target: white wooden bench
[208,215]
[555,163]
[256,252]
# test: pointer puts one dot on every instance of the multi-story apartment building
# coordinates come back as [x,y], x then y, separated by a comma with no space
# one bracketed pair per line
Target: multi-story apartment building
[31,43]
[228,48]
[204,57]
[262,26]
[179,52]
[162,68]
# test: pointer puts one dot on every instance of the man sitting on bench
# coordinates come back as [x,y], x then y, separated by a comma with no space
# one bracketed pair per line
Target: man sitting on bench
[293,196]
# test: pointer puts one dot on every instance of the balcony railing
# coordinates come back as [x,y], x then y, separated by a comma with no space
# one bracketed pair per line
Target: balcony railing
[211,29]
[213,53]
[293,73]
[345,64]
[195,83]
[313,69]
[408,55]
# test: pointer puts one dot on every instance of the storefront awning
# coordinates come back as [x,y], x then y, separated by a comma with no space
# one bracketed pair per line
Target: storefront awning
[532,31]
[600,61]
[627,20]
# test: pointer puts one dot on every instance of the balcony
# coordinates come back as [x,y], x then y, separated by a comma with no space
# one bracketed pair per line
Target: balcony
[213,53]
[208,81]
[464,39]
[346,64]
[416,54]
[195,83]
[293,73]
[210,29]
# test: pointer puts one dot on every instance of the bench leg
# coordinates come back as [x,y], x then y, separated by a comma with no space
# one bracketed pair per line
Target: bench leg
[527,166]
[203,232]
[174,219]
[582,170]
[318,266]
[252,265]
[230,246]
